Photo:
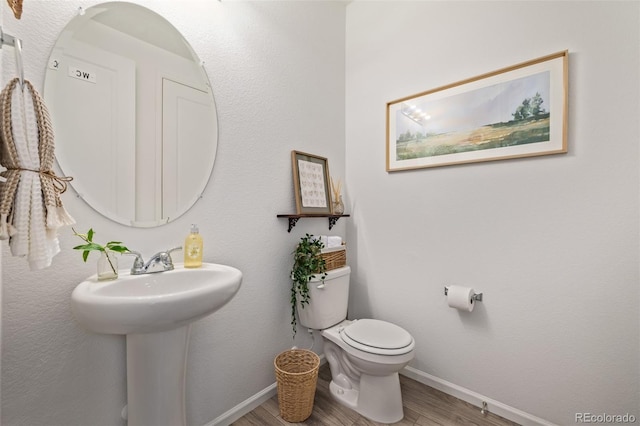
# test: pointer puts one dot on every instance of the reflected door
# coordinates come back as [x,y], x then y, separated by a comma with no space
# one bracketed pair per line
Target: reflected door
[187,144]
[99,154]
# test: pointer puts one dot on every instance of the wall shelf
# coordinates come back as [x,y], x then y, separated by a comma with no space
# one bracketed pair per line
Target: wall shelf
[293,218]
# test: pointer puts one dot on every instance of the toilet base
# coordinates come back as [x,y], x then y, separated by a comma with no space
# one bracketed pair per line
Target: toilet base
[379,398]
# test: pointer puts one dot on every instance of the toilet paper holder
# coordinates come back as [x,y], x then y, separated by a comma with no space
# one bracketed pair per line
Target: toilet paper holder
[476,296]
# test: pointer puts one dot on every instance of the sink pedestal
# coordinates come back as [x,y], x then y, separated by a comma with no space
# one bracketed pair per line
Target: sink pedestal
[156,367]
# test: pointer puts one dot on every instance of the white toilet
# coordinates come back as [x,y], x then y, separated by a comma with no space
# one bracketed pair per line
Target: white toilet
[364,355]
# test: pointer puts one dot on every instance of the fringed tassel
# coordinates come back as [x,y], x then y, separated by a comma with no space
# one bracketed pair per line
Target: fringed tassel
[58,217]
[64,217]
[7,230]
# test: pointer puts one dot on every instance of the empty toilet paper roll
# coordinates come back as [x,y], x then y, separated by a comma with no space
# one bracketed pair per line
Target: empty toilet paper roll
[460,297]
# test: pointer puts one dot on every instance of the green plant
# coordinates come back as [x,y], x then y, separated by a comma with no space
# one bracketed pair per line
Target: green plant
[307,262]
[92,246]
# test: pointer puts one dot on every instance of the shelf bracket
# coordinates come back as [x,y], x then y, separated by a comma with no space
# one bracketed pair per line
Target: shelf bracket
[333,220]
[292,223]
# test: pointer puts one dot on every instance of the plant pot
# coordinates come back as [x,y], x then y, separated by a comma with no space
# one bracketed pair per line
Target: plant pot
[107,266]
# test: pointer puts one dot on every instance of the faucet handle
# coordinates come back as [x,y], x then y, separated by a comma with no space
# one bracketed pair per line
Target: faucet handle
[164,257]
[138,263]
[172,250]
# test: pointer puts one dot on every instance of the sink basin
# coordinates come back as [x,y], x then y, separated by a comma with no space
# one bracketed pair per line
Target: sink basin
[154,302]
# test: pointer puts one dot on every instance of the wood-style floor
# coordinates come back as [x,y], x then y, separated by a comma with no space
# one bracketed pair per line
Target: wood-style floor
[423,406]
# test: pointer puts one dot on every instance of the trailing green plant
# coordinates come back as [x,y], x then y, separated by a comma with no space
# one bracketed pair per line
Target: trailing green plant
[307,263]
[90,246]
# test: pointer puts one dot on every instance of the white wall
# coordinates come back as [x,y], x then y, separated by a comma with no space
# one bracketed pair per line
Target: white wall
[552,242]
[277,71]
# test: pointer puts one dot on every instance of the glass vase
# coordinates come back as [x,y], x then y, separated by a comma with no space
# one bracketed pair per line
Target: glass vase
[107,266]
[338,206]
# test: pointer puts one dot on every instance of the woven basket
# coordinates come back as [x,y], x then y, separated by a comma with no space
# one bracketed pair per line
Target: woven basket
[296,375]
[334,258]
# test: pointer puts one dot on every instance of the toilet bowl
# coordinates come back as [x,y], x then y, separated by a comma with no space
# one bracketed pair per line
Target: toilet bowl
[364,377]
[364,355]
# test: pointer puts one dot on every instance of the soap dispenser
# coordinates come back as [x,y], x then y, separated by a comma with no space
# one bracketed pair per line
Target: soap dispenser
[193,249]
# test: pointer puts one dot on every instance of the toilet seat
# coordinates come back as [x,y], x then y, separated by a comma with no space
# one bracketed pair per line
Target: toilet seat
[377,337]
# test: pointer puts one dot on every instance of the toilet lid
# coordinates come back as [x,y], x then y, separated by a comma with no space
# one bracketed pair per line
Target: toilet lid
[378,337]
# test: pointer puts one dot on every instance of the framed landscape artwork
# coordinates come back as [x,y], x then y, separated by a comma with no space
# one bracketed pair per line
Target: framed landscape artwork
[519,111]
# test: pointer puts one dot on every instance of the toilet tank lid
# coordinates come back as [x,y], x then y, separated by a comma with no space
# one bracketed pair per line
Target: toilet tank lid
[378,334]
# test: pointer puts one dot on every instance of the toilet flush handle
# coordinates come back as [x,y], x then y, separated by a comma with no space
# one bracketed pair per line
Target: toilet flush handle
[320,286]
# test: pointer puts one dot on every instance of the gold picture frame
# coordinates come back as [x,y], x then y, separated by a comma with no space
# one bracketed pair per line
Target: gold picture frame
[311,183]
[518,111]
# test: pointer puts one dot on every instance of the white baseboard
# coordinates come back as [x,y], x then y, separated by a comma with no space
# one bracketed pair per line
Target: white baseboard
[475,398]
[244,407]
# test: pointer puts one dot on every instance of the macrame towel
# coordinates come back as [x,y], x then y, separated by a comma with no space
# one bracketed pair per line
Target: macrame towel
[31,210]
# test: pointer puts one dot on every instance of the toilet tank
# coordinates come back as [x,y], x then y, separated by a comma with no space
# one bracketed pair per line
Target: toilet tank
[328,300]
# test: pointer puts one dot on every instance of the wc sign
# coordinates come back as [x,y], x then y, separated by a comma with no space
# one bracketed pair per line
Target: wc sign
[82,74]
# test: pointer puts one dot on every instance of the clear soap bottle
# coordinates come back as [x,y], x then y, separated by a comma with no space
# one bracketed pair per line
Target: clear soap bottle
[193,249]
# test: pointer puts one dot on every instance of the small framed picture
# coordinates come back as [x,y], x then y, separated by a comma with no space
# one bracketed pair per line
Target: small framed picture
[311,183]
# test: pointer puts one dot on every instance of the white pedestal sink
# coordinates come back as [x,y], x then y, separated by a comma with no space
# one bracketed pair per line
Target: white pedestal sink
[155,312]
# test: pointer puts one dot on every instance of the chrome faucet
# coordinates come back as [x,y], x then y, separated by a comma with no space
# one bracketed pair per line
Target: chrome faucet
[159,262]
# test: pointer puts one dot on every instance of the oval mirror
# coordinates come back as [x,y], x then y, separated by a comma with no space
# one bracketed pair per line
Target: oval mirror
[133,114]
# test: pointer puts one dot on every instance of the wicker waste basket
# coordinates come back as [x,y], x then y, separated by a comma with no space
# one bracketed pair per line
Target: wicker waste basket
[296,376]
